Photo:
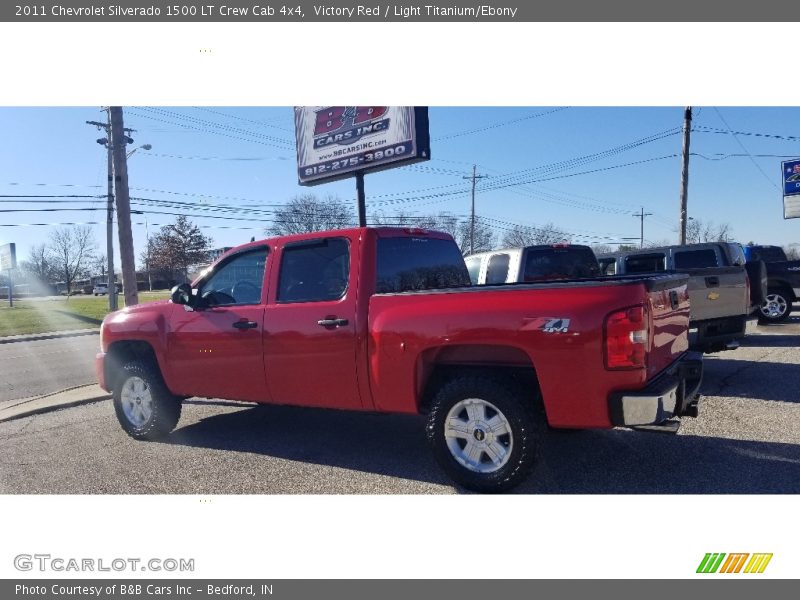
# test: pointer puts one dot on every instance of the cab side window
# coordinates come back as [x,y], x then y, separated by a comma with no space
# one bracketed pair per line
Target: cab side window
[314,271]
[497,270]
[238,281]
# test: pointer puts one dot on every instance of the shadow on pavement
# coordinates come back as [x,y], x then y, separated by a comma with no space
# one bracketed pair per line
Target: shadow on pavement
[77,317]
[392,445]
[585,462]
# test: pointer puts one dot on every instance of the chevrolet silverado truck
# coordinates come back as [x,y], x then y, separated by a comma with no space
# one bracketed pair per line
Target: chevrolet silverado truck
[783,282]
[719,287]
[386,320]
[532,263]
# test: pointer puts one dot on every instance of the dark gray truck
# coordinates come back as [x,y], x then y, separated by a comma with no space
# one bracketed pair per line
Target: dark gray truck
[783,281]
[719,287]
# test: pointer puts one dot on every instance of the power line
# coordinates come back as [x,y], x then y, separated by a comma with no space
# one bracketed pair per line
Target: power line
[499,124]
[704,129]
[752,160]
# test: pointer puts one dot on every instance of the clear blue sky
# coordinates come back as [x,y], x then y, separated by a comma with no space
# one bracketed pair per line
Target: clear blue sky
[244,157]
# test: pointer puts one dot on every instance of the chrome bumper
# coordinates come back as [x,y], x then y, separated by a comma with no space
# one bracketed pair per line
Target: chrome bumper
[674,393]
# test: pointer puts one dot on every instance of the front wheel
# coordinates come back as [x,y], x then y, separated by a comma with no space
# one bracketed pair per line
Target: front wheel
[145,408]
[483,433]
[776,307]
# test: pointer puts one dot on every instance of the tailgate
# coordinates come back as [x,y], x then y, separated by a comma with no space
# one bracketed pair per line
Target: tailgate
[669,317]
[718,292]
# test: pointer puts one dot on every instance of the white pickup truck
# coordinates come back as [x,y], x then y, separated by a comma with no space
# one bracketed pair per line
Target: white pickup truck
[532,263]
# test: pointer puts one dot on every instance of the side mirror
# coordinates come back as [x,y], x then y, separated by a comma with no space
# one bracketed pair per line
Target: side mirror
[182,294]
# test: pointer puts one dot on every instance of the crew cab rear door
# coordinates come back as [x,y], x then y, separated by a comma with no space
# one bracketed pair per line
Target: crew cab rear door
[310,324]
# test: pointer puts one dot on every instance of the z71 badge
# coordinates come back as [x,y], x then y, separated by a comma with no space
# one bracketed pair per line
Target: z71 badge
[556,326]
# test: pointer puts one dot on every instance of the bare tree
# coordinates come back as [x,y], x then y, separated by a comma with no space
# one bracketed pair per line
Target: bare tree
[72,249]
[526,235]
[792,252]
[602,249]
[461,230]
[306,213]
[40,264]
[698,232]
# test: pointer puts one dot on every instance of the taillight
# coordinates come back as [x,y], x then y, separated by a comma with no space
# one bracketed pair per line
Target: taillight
[626,336]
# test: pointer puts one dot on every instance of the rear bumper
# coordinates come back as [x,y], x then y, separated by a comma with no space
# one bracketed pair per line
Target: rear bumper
[100,371]
[714,335]
[674,393]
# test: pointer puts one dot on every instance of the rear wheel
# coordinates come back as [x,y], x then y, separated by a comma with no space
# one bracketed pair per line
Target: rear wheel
[776,307]
[483,433]
[144,406]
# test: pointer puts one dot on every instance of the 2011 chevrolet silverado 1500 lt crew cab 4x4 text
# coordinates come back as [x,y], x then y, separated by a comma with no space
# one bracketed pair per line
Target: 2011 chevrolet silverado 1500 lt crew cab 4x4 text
[386,320]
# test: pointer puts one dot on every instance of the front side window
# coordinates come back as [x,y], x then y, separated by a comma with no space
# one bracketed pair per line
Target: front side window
[314,271]
[238,281]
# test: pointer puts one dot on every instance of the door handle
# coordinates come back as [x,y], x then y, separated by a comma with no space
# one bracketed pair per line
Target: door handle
[245,324]
[712,281]
[332,322]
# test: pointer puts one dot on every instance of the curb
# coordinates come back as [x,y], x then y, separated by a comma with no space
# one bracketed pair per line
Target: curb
[49,335]
[84,394]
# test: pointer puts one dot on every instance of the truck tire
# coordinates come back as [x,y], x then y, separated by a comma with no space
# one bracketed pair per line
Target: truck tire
[776,307]
[144,406]
[483,432]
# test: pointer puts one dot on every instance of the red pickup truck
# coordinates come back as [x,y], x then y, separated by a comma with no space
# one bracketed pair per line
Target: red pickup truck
[387,320]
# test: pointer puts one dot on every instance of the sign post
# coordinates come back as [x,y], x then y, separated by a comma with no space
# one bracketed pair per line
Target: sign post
[335,142]
[8,262]
[790,173]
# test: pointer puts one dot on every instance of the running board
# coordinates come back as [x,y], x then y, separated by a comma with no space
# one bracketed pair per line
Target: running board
[665,427]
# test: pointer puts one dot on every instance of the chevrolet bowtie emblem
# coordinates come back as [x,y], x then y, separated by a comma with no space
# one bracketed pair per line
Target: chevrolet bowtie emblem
[713,296]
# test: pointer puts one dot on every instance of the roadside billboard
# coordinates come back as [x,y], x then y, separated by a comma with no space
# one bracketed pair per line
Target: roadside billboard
[791,188]
[335,142]
[8,257]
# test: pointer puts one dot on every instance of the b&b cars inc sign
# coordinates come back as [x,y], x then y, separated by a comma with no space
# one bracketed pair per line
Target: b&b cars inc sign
[334,142]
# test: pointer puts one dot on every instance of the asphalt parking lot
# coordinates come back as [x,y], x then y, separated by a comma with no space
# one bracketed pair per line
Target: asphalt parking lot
[745,441]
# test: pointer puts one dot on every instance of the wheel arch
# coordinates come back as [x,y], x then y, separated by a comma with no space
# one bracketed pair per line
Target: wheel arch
[436,366]
[124,351]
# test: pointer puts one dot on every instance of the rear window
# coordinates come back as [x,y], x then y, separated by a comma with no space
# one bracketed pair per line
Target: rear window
[696,259]
[560,263]
[419,263]
[497,270]
[646,263]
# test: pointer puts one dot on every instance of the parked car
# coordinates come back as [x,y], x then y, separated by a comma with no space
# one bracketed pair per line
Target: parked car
[533,263]
[783,281]
[386,320]
[100,289]
[719,287]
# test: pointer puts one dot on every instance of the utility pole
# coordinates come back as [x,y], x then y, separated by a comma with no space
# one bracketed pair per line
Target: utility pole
[119,141]
[642,215]
[687,129]
[474,178]
[111,278]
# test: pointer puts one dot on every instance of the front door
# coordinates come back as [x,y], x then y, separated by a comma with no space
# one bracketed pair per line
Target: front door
[216,350]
